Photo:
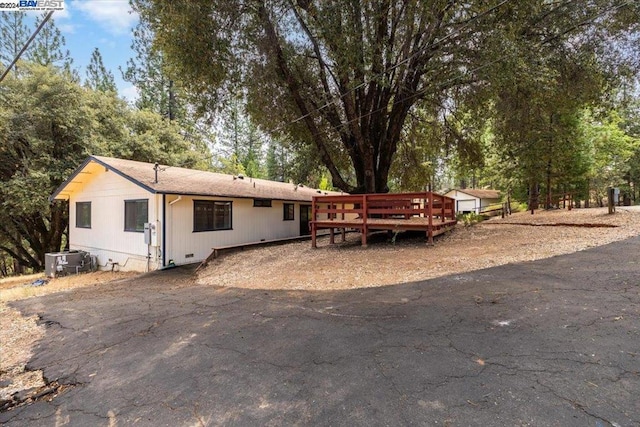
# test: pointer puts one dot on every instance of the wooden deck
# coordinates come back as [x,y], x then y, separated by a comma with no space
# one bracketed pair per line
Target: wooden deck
[429,212]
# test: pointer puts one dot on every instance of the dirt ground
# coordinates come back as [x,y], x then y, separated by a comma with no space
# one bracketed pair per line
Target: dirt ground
[19,334]
[340,266]
[384,262]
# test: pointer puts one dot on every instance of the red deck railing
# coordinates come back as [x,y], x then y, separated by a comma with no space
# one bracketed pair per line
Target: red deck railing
[424,211]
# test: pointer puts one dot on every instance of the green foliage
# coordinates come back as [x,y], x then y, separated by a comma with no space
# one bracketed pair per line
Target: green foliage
[230,165]
[98,77]
[422,146]
[469,219]
[13,35]
[157,90]
[344,78]
[48,125]
[241,140]
[324,183]
[161,92]
[518,207]
[48,48]
[287,161]
[276,162]
[612,153]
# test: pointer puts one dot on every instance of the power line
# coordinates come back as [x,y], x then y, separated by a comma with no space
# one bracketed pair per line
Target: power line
[26,46]
[480,67]
[404,61]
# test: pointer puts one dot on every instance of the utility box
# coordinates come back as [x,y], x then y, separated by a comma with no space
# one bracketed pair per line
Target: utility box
[69,262]
[147,233]
[151,233]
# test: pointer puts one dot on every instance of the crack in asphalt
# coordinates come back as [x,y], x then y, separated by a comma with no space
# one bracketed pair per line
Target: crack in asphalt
[581,407]
[328,312]
[47,392]
[456,333]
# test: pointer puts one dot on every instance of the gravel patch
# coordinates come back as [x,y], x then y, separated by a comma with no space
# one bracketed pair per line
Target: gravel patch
[388,261]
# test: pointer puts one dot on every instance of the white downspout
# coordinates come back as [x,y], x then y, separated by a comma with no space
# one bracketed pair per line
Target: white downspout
[171,203]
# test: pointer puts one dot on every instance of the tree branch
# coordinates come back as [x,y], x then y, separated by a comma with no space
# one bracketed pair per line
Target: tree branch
[295,90]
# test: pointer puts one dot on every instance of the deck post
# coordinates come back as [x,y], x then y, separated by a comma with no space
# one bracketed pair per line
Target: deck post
[313,236]
[331,238]
[442,202]
[344,238]
[364,221]
[313,222]
[429,196]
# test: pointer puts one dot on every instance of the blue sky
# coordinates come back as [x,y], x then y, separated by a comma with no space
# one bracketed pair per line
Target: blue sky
[105,24]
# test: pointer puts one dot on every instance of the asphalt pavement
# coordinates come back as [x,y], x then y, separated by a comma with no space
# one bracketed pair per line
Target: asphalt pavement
[554,342]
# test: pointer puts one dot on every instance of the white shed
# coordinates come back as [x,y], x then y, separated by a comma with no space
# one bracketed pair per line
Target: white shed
[140,216]
[473,200]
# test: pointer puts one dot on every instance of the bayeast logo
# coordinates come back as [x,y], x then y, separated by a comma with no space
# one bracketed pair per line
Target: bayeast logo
[41,4]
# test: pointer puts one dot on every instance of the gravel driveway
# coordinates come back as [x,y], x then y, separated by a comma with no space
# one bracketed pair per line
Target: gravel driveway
[389,261]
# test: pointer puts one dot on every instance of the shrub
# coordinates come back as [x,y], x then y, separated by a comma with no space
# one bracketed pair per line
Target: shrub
[518,207]
[469,219]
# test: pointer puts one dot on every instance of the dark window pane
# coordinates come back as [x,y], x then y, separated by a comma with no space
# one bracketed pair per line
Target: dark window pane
[83,214]
[262,203]
[209,215]
[136,213]
[289,212]
[222,215]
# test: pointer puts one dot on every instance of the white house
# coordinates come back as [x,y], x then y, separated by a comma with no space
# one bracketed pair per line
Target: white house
[140,216]
[473,200]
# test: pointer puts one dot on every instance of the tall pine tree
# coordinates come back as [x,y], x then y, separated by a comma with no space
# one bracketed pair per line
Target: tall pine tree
[13,36]
[146,72]
[161,93]
[48,48]
[98,77]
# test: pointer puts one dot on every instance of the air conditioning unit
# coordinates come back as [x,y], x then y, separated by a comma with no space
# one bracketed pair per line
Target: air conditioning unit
[68,262]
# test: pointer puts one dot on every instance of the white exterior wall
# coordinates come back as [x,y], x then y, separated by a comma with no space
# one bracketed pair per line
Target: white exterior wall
[468,203]
[464,202]
[106,238]
[108,191]
[249,224]
[488,202]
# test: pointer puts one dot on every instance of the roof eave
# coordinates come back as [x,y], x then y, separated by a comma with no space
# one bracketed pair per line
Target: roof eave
[84,164]
[75,173]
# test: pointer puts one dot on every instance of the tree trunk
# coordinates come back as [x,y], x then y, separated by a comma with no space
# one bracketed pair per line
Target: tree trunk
[548,201]
[533,196]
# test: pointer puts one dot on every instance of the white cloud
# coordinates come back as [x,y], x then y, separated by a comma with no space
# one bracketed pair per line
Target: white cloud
[129,93]
[66,28]
[107,42]
[114,15]
[59,16]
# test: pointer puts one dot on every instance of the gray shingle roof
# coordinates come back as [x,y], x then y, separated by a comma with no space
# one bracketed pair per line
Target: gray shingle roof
[175,180]
[481,194]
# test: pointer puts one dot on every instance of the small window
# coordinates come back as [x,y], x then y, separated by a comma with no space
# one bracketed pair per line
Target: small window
[261,203]
[210,215]
[136,213]
[289,212]
[83,214]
